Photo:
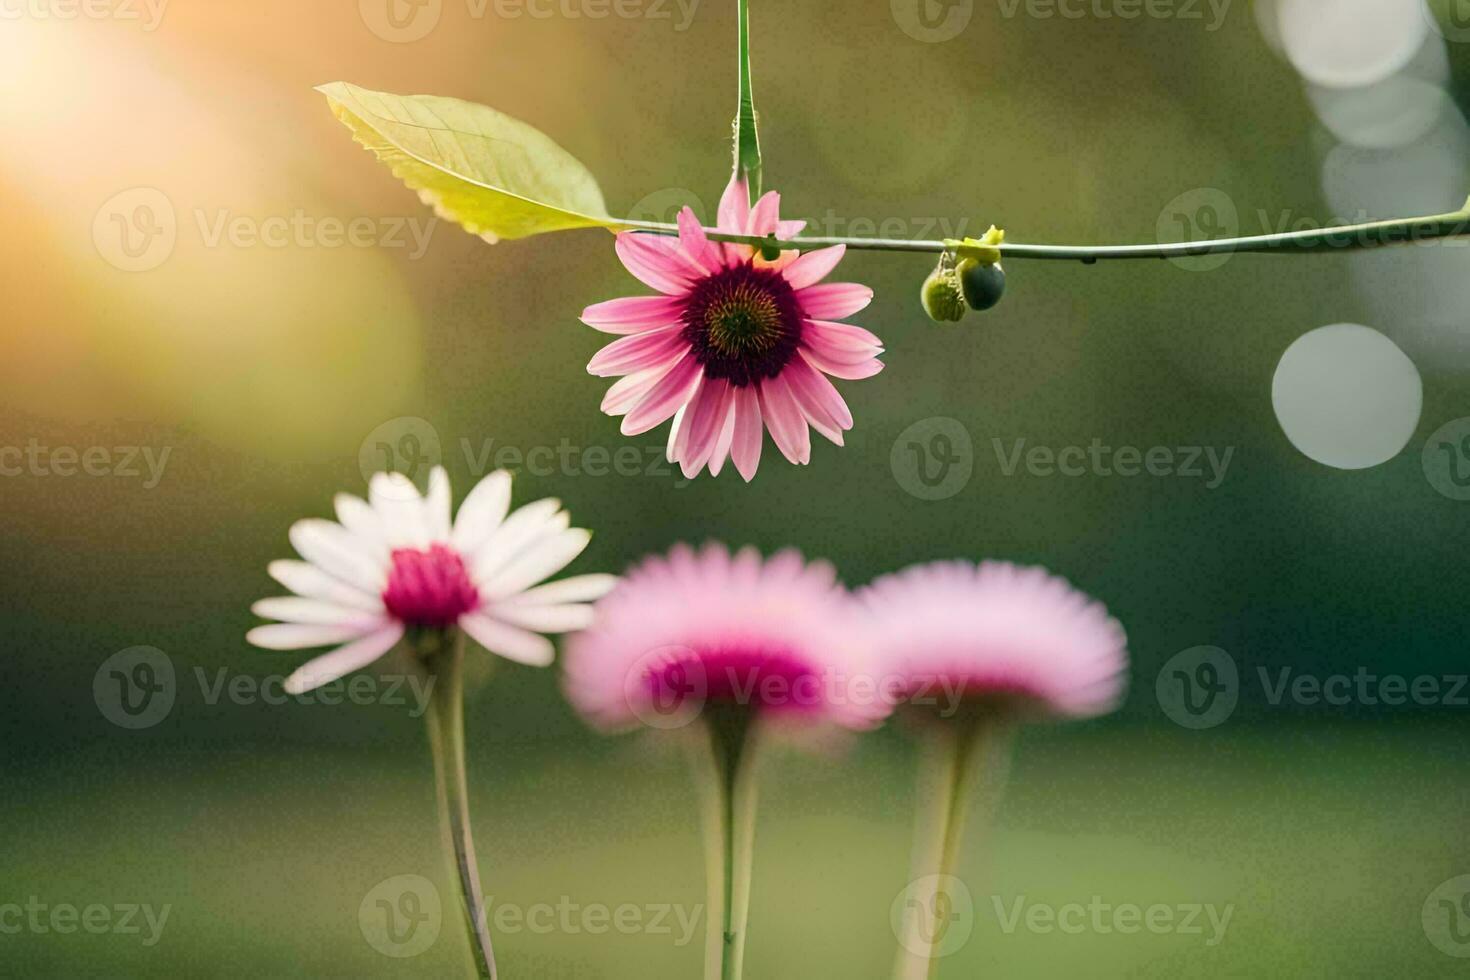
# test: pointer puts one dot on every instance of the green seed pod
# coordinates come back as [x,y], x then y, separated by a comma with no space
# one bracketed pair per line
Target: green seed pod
[982,283]
[941,296]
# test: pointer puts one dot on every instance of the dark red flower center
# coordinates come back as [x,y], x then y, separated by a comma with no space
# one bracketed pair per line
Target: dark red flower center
[743,324]
[772,681]
[429,588]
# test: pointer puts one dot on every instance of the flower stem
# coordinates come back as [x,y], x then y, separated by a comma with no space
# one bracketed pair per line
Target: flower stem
[958,755]
[724,759]
[1368,234]
[747,140]
[446,737]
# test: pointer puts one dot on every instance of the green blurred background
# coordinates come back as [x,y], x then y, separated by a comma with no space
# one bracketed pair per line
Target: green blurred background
[269,373]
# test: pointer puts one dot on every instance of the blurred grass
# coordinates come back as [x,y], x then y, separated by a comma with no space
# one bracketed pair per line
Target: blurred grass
[1324,841]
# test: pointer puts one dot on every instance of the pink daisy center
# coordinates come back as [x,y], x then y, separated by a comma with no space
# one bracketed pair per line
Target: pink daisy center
[743,324]
[429,588]
[774,682]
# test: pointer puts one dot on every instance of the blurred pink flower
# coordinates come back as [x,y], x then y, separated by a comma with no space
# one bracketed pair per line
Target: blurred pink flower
[733,342]
[776,636]
[998,632]
[397,563]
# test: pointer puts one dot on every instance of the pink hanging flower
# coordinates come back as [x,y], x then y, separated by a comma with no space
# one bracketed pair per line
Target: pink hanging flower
[998,632]
[734,342]
[777,636]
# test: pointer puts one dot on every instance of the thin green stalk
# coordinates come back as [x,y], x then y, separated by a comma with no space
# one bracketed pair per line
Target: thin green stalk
[445,719]
[1369,234]
[743,798]
[724,759]
[959,756]
[706,764]
[747,139]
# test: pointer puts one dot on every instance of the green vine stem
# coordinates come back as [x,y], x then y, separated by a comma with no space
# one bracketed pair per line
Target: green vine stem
[724,757]
[445,719]
[747,140]
[1369,234]
[960,756]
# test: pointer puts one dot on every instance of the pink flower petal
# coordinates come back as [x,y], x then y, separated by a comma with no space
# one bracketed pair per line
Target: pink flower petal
[630,390]
[844,336]
[789,229]
[838,346]
[834,300]
[706,417]
[679,428]
[653,260]
[821,403]
[785,420]
[745,444]
[638,352]
[813,267]
[734,207]
[633,314]
[737,254]
[765,215]
[706,255]
[848,372]
[726,436]
[664,398]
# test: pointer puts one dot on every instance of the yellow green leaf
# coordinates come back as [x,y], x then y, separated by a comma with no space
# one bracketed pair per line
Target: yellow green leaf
[494,175]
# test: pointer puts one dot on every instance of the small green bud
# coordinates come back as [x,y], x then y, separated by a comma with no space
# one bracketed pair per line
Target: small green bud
[941,296]
[982,283]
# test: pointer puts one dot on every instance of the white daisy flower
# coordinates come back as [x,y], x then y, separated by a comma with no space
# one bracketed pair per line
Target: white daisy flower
[395,562]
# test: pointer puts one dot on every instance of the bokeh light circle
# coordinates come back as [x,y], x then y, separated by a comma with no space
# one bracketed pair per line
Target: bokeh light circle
[1348,43]
[1347,396]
